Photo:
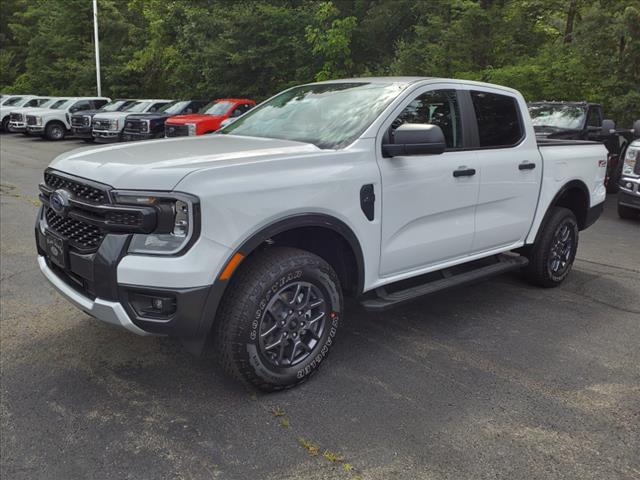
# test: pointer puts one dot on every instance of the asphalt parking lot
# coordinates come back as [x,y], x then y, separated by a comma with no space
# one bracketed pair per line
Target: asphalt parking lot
[499,380]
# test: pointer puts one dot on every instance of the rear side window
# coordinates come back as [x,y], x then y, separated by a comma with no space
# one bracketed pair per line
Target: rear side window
[498,119]
[99,103]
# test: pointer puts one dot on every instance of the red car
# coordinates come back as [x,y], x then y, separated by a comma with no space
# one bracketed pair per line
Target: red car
[209,118]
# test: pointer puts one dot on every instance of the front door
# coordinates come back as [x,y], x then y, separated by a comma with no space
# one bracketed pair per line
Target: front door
[428,213]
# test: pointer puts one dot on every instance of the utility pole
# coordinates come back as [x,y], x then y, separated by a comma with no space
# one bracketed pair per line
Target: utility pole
[97,44]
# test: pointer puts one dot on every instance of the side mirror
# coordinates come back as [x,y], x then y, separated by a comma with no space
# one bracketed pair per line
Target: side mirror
[415,139]
[608,126]
[636,129]
[226,122]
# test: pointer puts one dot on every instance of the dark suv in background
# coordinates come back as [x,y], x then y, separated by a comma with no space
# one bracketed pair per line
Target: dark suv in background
[144,126]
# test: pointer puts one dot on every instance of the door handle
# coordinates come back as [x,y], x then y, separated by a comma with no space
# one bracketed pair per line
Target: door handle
[526,166]
[464,172]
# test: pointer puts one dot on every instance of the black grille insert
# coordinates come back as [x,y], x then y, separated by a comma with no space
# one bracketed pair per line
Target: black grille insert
[16,117]
[31,120]
[80,190]
[81,236]
[176,130]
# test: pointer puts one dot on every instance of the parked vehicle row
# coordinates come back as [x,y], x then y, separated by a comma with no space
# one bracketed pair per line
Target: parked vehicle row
[102,120]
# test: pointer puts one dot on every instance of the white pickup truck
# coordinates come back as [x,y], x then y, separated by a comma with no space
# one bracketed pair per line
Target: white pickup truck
[54,122]
[383,189]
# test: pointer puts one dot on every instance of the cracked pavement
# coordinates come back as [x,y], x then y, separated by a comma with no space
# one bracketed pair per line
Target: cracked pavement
[499,380]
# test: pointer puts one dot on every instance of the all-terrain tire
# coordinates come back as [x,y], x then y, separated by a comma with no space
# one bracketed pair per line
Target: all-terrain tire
[5,124]
[627,213]
[258,302]
[55,131]
[552,256]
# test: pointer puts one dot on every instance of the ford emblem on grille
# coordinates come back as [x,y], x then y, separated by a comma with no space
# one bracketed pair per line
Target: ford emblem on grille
[59,202]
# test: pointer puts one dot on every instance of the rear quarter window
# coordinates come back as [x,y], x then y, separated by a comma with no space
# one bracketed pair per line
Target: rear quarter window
[498,116]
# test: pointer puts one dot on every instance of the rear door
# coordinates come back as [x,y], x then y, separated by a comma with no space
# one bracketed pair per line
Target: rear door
[511,170]
[428,212]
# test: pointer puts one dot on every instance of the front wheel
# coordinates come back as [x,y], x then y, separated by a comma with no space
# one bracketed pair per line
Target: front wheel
[552,256]
[5,124]
[54,131]
[278,319]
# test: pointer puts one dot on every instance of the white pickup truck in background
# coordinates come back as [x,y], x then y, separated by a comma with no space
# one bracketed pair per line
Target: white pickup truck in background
[54,122]
[383,189]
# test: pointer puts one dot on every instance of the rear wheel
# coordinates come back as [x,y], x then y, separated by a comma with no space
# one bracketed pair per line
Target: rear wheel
[552,256]
[54,131]
[278,319]
[627,213]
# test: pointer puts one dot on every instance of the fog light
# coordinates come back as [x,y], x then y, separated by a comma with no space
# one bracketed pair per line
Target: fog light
[629,185]
[153,306]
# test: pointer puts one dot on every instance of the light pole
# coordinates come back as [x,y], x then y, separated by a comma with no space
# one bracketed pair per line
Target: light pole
[97,44]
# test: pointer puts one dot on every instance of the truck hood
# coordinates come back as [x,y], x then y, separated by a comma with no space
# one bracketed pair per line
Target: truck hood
[41,112]
[110,115]
[195,118]
[161,164]
[148,116]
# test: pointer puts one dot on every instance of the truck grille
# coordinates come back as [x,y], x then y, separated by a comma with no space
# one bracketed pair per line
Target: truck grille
[31,120]
[101,124]
[81,121]
[16,117]
[80,190]
[176,130]
[80,235]
[135,126]
[637,168]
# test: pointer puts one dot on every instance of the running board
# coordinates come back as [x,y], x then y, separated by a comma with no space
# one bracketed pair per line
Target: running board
[384,299]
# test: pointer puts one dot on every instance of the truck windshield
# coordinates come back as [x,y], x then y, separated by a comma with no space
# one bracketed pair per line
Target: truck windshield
[61,104]
[557,116]
[328,115]
[11,101]
[216,108]
[115,106]
[137,107]
[174,108]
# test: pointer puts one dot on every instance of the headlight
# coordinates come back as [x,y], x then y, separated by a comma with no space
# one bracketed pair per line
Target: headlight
[630,160]
[191,128]
[38,120]
[176,224]
[144,126]
[113,124]
[86,120]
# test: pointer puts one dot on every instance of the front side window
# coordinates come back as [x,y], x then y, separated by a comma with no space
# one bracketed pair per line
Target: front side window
[174,108]
[34,102]
[157,106]
[498,119]
[327,115]
[438,107]
[99,103]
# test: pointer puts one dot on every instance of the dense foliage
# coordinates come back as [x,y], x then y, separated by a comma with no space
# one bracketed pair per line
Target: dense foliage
[548,49]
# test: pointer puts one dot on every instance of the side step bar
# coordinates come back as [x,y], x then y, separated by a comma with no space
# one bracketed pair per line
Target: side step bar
[384,300]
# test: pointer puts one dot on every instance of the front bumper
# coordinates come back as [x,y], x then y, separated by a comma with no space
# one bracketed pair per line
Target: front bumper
[133,136]
[107,311]
[17,127]
[104,136]
[82,132]
[629,194]
[35,129]
[109,283]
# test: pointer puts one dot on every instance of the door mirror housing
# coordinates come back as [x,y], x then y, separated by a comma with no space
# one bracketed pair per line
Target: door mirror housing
[636,129]
[608,126]
[415,139]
